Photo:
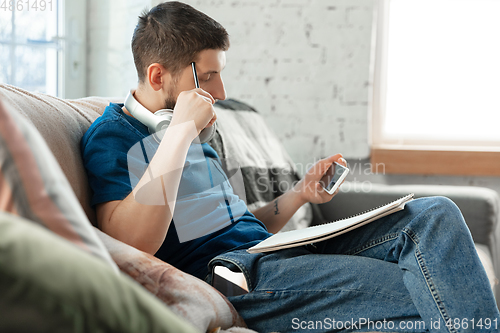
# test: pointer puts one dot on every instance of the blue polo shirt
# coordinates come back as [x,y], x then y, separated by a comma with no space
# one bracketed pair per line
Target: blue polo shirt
[209,218]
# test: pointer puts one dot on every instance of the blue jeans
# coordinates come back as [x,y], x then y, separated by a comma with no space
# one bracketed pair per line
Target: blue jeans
[413,271]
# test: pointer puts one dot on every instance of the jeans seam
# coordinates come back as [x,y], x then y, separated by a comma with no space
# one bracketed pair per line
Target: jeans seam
[311,291]
[372,243]
[427,277]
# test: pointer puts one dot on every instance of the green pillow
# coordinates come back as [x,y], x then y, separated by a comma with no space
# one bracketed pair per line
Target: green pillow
[49,285]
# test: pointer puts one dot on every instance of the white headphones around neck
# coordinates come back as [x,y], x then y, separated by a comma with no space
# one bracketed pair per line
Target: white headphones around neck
[159,121]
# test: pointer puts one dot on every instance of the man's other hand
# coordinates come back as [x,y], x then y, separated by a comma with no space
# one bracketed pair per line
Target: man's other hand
[309,187]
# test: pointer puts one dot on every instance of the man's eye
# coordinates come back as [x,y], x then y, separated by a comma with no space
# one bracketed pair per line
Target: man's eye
[206,78]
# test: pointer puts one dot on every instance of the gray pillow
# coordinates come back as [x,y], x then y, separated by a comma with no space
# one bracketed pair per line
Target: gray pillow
[245,142]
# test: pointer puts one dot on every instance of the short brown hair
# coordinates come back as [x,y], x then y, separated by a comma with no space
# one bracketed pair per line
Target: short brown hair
[172,34]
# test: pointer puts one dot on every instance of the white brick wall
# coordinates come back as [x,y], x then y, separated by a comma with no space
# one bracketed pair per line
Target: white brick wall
[304,64]
[111,70]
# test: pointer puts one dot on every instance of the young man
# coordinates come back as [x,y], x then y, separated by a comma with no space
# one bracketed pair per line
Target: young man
[406,272]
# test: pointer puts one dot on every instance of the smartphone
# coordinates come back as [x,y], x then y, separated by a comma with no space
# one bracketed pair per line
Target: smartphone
[333,177]
[229,283]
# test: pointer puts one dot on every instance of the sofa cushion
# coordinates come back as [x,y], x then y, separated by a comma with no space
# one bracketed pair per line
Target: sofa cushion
[61,123]
[48,285]
[32,185]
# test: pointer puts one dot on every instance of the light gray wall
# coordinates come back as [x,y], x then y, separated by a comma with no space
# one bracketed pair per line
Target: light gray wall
[111,23]
[304,64]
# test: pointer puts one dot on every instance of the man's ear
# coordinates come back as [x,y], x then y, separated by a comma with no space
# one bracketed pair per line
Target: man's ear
[156,76]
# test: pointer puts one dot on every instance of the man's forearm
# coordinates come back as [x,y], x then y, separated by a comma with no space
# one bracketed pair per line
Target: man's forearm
[143,218]
[279,211]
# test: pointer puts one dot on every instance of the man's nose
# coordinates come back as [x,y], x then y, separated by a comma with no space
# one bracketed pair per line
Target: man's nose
[218,91]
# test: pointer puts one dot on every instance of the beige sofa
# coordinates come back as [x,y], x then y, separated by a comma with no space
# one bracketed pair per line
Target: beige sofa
[47,283]
[62,123]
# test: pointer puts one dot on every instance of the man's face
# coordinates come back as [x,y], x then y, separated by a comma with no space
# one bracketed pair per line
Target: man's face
[209,66]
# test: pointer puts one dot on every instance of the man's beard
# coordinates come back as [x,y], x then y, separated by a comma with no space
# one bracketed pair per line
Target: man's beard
[171,100]
[169,103]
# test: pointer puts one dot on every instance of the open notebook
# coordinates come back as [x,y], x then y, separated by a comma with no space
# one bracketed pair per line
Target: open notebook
[325,231]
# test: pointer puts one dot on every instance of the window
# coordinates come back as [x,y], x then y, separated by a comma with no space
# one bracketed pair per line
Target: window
[41,46]
[436,103]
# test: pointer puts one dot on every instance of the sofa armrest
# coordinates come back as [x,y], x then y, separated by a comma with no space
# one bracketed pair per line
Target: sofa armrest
[187,296]
[479,206]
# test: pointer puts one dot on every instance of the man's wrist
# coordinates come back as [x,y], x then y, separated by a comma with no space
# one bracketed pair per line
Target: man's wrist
[299,192]
[171,154]
[184,130]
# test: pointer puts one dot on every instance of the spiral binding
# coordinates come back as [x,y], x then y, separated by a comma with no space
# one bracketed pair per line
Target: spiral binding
[405,199]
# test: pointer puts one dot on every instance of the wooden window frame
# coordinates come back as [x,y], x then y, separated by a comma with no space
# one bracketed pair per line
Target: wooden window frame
[436,159]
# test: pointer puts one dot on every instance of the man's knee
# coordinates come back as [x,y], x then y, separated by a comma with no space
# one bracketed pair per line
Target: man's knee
[447,206]
[438,204]
[442,211]
[444,203]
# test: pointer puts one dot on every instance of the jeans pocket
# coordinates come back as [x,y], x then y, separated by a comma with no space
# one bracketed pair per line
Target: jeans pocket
[237,261]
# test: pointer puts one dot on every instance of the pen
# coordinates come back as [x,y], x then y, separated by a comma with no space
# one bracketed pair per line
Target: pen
[196,83]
